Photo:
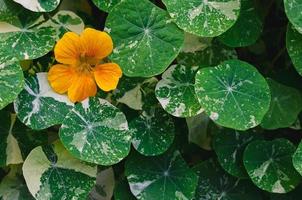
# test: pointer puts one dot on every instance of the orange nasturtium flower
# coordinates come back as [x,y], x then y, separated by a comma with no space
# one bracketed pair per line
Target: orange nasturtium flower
[83,67]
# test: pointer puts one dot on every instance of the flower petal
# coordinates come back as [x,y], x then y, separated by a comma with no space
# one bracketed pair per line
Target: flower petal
[107,76]
[83,86]
[68,49]
[60,77]
[96,44]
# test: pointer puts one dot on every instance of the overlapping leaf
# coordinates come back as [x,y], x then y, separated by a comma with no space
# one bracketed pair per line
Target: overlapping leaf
[38,5]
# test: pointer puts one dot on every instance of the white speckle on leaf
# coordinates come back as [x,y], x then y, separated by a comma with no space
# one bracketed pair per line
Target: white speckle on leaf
[214,116]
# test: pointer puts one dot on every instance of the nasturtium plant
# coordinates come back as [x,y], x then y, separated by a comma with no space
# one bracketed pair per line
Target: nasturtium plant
[150,99]
[269,164]
[234,94]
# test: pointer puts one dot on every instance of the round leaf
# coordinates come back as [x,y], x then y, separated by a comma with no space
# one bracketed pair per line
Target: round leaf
[163,177]
[38,106]
[95,131]
[153,131]
[38,5]
[11,82]
[214,184]
[229,146]
[247,28]
[269,165]
[285,106]
[234,94]
[204,18]
[145,38]
[294,47]
[297,159]
[293,11]
[106,5]
[176,93]
[51,173]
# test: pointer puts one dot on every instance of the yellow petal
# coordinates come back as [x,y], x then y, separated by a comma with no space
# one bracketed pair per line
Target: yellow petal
[68,49]
[107,76]
[96,44]
[60,77]
[83,86]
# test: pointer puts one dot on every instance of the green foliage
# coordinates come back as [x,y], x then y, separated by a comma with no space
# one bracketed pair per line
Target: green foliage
[208,106]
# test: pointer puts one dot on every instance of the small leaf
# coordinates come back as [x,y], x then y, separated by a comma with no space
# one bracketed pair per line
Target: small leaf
[234,94]
[214,184]
[51,173]
[146,41]
[294,47]
[38,106]
[176,93]
[162,177]
[269,165]
[229,146]
[285,106]
[95,131]
[11,82]
[38,5]
[247,28]
[204,18]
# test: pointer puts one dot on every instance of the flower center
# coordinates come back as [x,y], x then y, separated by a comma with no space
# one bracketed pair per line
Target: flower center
[84,65]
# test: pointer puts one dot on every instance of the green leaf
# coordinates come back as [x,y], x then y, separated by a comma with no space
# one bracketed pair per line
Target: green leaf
[193,43]
[292,195]
[247,28]
[212,55]
[176,93]
[163,177]
[293,11]
[105,5]
[95,131]
[297,159]
[146,41]
[234,94]
[51,173]
[103,190]
[286,104]
[22,35]
[11,82]
[65,21]
[38,106]
[204,18]
[16,140]
[38,5]
[214,184]
[294,47]
[269,165]
[153,131]
[229,146]
[122,191]
[13,187]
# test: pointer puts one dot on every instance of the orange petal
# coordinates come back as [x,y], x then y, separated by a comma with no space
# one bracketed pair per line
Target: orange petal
[96,44]
[107,76]
[83,86]
[60,77]
[68,49]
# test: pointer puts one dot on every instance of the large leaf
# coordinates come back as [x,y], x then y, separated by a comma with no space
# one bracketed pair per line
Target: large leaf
[51,173]
[234,94]
[95,131]
[269,165]
[20,36]
[214,184]
[38,106]
[214,54]
[16,140]
[176,93]
[247,28]
[145,39]
[293,9]
[38,5]
[204,18]
[11,82]
[153,131]
[165,177]
[294,47]
[286,104]
[229,146]
[297,159]
[106,5]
